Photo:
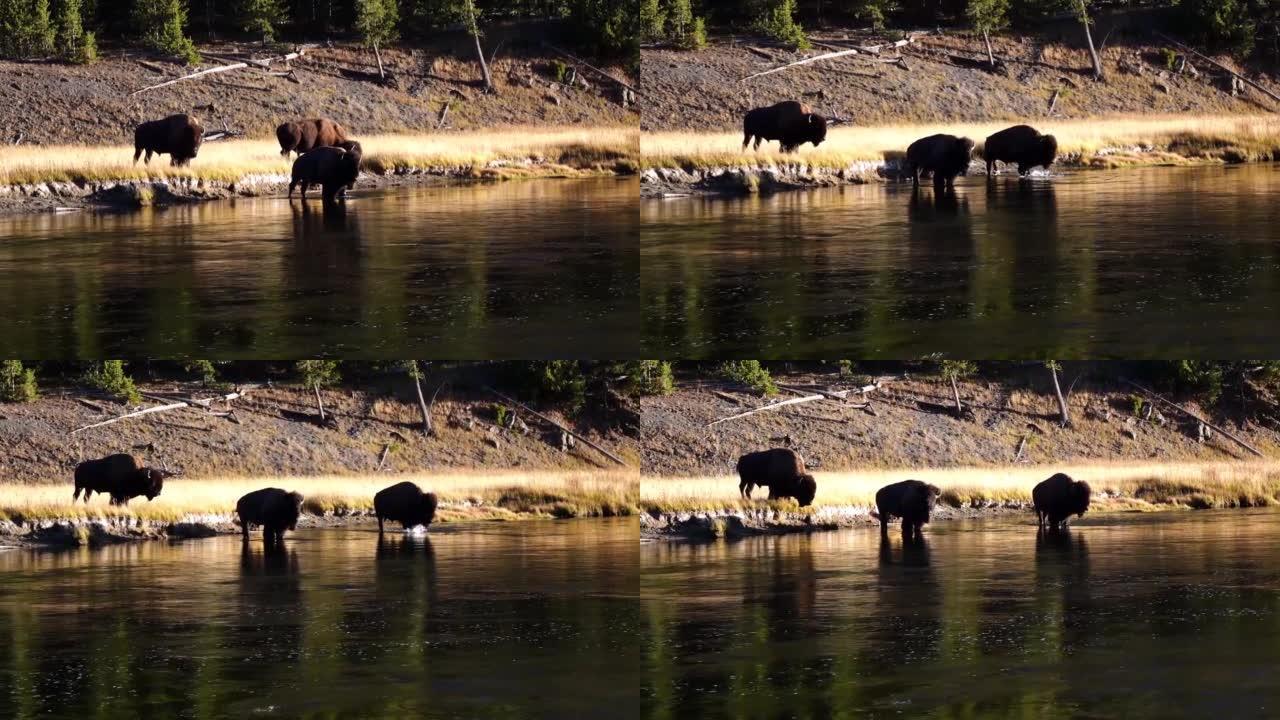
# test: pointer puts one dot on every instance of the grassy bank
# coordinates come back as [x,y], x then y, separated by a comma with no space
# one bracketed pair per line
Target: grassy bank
[1116,487]
[463,495]
[1100,142]
[511,152]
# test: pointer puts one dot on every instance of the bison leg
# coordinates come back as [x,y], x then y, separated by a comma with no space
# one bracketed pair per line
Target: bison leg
[147,160]
[244,530]
[292,183]
[746,140]
[379,524]
[884,521]
[744,489]
[137,153]
[75,495]
[1023,169]
[991,166]
[757,145]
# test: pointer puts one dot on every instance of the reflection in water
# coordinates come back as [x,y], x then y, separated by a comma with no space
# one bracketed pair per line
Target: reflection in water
[519,621]
[1129,263]
[512,270]
[1121,617]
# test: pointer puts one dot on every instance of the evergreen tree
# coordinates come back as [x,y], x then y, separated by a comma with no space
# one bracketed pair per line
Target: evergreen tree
[74,44]
[260,17]
[988,16]
[26,28]
[160,23]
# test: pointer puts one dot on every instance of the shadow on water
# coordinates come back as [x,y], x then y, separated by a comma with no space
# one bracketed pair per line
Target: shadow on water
[1127,264]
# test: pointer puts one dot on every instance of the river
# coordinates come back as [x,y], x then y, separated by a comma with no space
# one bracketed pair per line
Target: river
[508,270]
[1167,615]
[517,620]
[1155,262]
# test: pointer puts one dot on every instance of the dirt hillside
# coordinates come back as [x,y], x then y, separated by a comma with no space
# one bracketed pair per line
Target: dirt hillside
[52,103]
[272,432]
[834,435]
[703,90]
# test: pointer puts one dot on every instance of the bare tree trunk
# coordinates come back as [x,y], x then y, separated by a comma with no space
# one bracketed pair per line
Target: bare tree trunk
[475,34]
[991,57]
[319,402]
[1088,36]
[422,401]
[1062,401]
[955,390]
[382,73]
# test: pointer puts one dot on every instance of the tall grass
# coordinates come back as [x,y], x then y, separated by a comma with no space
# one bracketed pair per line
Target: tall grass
[557,149]
[462,494]
[1096,141]
[1199,485]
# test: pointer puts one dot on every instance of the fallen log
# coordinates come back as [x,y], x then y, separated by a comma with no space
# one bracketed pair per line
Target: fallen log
[1193,416]
[192,76]
[829,394]
[869,50]
[444,114]
[590,67]
[774,406]
[1220,66]
[727,396]
[386,448]
[562,428]
[92,405]
[126,416]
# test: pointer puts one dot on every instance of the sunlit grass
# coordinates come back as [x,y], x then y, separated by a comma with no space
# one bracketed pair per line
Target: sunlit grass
[1132,486]
[462,494]
[1106,142]
[528,150]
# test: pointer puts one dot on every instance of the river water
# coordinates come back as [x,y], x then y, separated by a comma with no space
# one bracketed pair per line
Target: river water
[1158,262]
[520,620]
[1174,615]
[510,270]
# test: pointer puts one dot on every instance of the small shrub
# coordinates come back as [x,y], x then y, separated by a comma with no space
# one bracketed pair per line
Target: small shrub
[500,412]
[749,373]
[649,377]
[560,70]
[109,377]
[17,383]
[202,369]
[1168,57]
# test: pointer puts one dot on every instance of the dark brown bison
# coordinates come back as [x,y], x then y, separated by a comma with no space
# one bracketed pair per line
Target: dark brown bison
[780,470]
[946,156]
[331,167]
[789,122]
[1021,144]
[911,500]
[1058,498]
[121,476]
[274,509]
[406,504]
[178,136]
[304,135]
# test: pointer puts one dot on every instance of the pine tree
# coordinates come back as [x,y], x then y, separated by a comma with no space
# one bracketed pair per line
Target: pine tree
[684,29]
[988,16]
[376,22]
[27,30]
[161,23]
[260,16]
[74,44]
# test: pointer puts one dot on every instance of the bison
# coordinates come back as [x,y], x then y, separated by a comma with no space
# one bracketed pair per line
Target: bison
[333,168]
[121,476]
[305,135]
[911,500]
[406,504]
[274,509]
[1021,144]
[178,136]
[789,122]
[780,470]
[946,156]
[1058,498]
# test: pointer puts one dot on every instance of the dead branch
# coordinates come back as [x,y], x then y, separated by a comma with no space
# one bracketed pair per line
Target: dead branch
[768,55]
[386,448]
[444,114]
[1193,416]
[192,76]
[126,416]
[153,67]
[1053,101]
[871,50]
[773,406]
[1220,66]
[590,67]
[829,394]
[1021,445]
[562,428]
[727,396]
[92,405]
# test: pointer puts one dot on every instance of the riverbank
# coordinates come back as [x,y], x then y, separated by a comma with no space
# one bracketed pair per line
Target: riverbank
[46,514]
[676,163]
[710,507]
[50,178]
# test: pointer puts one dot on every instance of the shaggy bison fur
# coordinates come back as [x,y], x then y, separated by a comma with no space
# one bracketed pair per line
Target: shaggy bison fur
[274,509]
[178,136]
[789,122]
[333,168]
[946,156]
[301,136]
[121,476]
[1058,498]
[406,504]
[1021,144]
[780,470]
[911,500]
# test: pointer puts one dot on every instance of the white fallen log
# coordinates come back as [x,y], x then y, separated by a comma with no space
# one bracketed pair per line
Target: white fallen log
[870,50]
[774,406]
[192,76]
[562,428]
[1193,416]
[137,413]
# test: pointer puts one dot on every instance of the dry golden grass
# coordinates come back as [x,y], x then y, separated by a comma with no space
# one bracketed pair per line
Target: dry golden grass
[555,150]
[1107,142]
[562,494]
[1118,486]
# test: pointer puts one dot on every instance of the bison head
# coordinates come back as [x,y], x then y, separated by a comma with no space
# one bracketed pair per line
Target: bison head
[1080,493]
[295,499]
[153,481]
[815,129]
[1048,150]
[933,492]
[428,508]
[962,152]
[806,488]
